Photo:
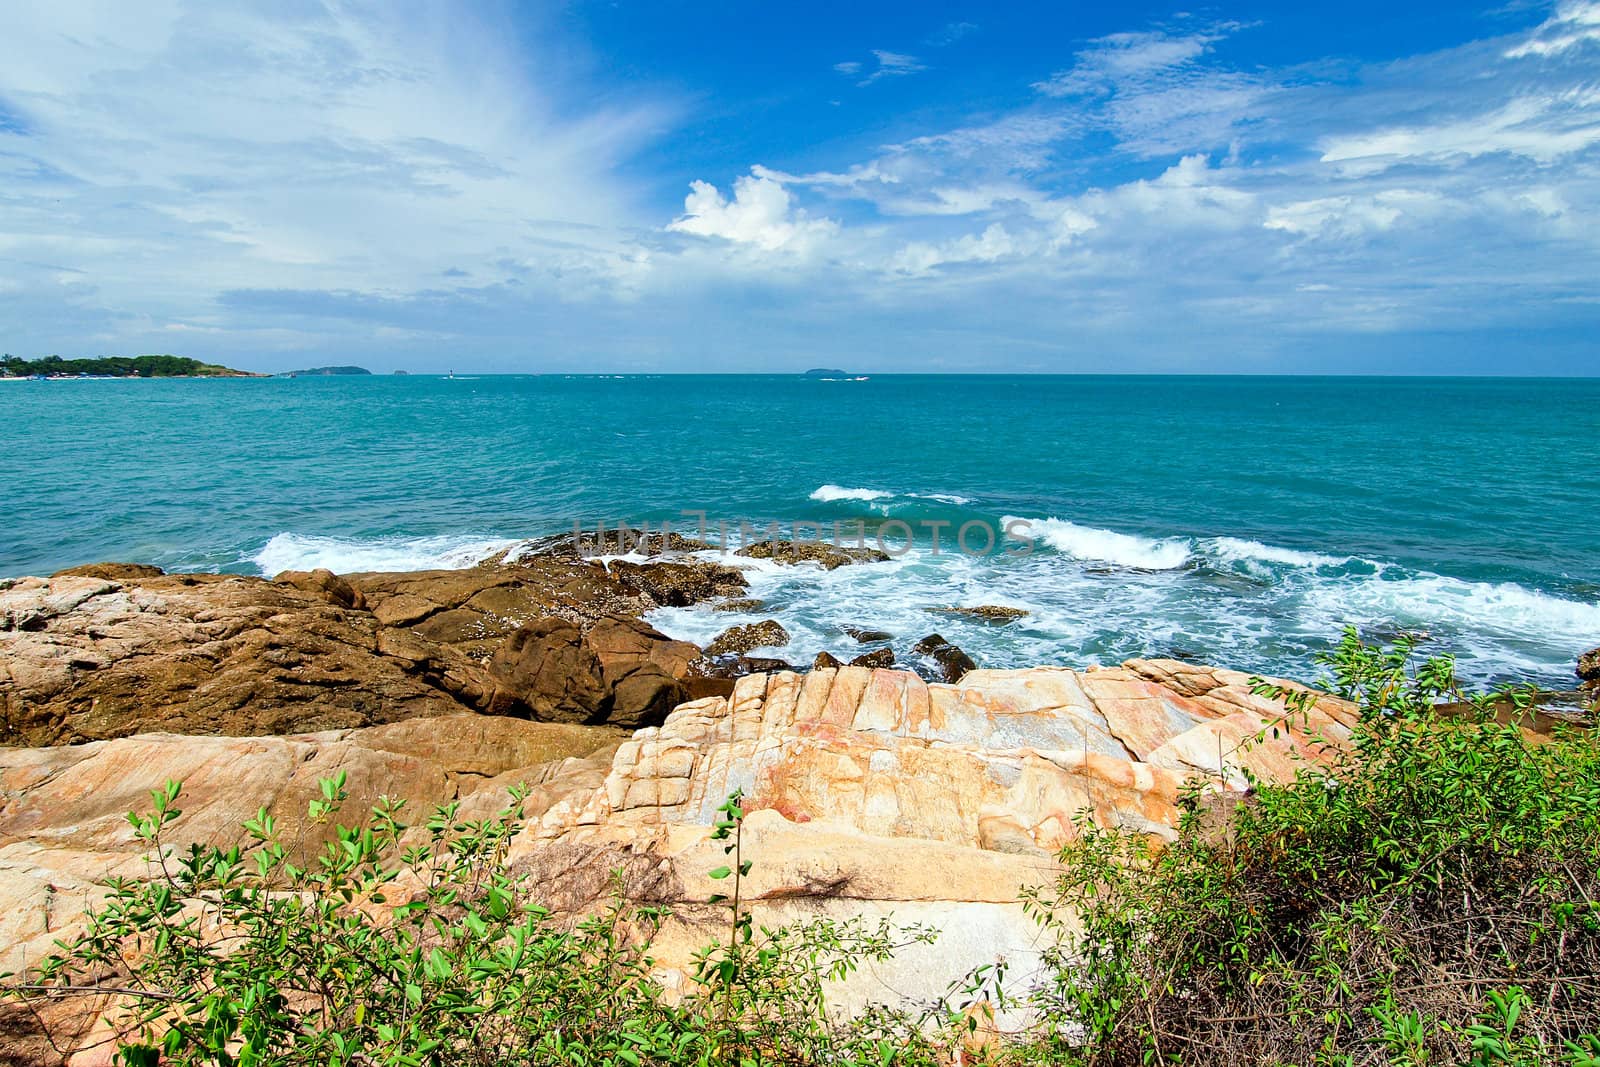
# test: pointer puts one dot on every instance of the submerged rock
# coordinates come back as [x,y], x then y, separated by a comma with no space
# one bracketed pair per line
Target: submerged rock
[868,637]
[768,633]
[742,604]
[952,662]
[997,613]
[829,556]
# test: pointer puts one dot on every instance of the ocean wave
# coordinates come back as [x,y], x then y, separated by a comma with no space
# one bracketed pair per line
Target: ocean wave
[1106,546]
[303,552]
[829,493]
[1426,601]
[1237,549]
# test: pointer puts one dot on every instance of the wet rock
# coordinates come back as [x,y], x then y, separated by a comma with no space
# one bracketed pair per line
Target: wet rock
[881,657]
[680,584]
[829,556]
[996,613]
[768,633]
[868,637]
[587,544]
[111,571]
[742,604]
[1589,668]
[951,663]
[825,660]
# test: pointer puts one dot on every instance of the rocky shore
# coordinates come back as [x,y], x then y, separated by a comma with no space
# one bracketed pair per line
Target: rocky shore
[870,789]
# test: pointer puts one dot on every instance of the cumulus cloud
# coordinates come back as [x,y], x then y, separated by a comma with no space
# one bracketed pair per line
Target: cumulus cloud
[761,213]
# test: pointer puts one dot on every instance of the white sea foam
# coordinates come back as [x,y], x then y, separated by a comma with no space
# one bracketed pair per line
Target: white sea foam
[1106,546]
[830,493]
[1230,549]
[300,552]
[1504,609]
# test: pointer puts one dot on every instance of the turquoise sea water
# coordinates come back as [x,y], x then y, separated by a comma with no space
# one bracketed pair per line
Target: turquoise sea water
[1239,520]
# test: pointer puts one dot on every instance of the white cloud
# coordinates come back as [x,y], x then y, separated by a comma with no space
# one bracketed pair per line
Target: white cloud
[885,64]
[760,213]
[1575,23]
[1543,128]
[175,150]
[993,244]
[1352,216]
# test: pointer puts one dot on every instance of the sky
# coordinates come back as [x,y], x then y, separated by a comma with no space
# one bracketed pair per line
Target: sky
[1248,187]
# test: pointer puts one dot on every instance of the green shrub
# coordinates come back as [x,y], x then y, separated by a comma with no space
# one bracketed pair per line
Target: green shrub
[1429,897]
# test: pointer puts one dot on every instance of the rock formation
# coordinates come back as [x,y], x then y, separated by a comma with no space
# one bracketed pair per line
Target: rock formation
[869,792]
[116,649]
[828,556]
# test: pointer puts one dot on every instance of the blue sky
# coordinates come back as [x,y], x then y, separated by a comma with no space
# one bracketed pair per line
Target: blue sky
[673,186]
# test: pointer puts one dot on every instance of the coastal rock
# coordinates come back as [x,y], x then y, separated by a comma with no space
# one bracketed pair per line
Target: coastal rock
[868,637]
[829,556]
[740,604]
[878,657]
[825,660]
[871,790]
[950,663]
[621,672]
[111,571]
[324,583]
[588,544]
[83,659]
[680,584]
[474,609]
[996,613]
[63,825]
[768,633]
[1589,668]
[868,793]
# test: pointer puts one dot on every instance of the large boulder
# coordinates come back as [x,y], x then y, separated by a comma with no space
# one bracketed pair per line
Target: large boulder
[736,640]
[87,658]
[1589,668]
[621,672]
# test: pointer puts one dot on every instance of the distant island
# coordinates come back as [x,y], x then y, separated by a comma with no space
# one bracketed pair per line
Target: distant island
[323,371]
[117,367]
[834,374]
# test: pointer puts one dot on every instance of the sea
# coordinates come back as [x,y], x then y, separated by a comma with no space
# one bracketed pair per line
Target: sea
[1242,521]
